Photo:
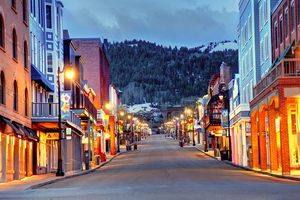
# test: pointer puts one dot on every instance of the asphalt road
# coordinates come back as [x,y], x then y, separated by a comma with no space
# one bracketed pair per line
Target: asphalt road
[160,169]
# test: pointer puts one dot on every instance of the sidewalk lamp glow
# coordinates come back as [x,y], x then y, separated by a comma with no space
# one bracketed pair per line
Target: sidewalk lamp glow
[108,106]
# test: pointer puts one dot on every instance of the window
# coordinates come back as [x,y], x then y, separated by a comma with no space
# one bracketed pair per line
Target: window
[1,32]
[15,96]
[250,26]
[251,58]
[242,36]
[26,102]
[25,55]
[31,6]
[266,47]
[246,64]
[260,18]
[246,33]
[251,89]
[293,16]
[34,13]
[13,4]
[265,12]
[281,30]
[286,23]
[298,11]
[25,10]
[2,88]
[48,17]
[276,36]
[49,62]
[14,44]
[261,52]
[243,65]
[39,11]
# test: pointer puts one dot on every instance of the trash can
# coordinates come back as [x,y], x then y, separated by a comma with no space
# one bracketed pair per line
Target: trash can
[97,158]
[216,152]
[224,154]
[135,146]
[180,143]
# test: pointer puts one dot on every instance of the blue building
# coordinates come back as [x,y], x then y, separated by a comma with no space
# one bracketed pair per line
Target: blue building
[255,60]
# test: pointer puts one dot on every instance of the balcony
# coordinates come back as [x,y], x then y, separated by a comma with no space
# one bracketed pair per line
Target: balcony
[285,68]
[80,102]
[213,119]
[48,112]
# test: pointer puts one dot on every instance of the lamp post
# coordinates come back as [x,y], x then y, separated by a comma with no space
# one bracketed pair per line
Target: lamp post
[118,139]
[69,74]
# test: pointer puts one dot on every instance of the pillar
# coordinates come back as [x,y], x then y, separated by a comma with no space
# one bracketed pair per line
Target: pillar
[112,135]
[273,140]
[254,140]
[3,164]
[284,134]
[262,140]
[93,145]
[244,149]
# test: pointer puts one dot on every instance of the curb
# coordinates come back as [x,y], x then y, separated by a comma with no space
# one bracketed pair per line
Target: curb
[249,169]
[71,175]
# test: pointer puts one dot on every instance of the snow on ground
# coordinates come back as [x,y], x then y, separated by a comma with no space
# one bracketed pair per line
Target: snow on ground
[223,46]
[137,107]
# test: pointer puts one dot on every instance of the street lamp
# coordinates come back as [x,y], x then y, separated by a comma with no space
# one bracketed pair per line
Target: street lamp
[69,74]
[118,139]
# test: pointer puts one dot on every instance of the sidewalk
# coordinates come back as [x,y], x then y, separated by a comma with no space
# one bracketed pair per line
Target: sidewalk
[295,174]
[36,181]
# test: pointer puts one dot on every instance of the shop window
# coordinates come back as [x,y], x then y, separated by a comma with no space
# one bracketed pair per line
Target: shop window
[295,155]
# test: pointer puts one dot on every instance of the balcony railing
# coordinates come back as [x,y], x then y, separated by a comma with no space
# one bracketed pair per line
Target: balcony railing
[83,102]
[213,118]
[50,110]
[285,68]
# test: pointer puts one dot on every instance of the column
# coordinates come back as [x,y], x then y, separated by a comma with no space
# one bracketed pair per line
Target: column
[244,149]
[254,140]
[262,139]
[273,138]
[112,135]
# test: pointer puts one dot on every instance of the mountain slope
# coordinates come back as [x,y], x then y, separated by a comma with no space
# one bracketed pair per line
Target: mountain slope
[147,72]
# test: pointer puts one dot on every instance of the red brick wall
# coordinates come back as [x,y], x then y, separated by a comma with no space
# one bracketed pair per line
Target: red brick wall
[14,68]
[273,141]
[254,140]
[96,70]
[284,134]
[262,140]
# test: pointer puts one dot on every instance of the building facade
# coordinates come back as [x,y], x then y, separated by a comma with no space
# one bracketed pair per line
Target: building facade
[275,105]
[17,145]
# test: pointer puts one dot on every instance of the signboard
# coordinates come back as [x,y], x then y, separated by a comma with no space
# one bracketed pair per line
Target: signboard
[52,136]
[191,124]
[120,125]
[224,118]
[248,127]
[68,134]
[106,118]
[65,101]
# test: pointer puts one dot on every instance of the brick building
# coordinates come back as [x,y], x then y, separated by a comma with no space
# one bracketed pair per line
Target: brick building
[275,108]
[16,148]
[96,71]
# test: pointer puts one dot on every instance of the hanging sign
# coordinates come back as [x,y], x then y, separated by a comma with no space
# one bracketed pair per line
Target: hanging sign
[65,101]
[224,118]
[68,134]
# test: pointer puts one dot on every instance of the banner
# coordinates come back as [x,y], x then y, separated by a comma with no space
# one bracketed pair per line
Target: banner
[191,124]
[224,118]
[65,101]
[120,125]
[106,118]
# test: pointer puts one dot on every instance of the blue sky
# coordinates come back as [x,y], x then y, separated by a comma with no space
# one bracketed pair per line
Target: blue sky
[178,23]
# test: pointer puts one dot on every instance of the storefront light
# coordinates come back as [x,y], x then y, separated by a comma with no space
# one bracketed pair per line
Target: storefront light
[20,143]
[25,144]
[7,139]
[13,140]
[0,136]
[30,145]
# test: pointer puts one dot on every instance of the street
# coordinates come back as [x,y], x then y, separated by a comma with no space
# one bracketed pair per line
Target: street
[160,169]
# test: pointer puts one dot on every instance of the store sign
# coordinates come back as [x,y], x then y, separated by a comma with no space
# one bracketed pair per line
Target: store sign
[68,134]
[52,136]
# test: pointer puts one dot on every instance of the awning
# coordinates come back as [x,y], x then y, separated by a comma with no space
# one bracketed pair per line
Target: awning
[38,77]
[32,132]
[17,132]
[22,129]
